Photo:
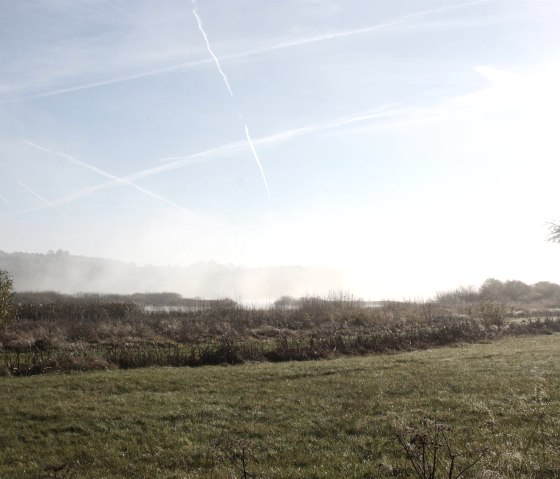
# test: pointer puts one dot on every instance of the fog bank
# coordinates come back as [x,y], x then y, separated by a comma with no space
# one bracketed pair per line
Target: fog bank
[66,273]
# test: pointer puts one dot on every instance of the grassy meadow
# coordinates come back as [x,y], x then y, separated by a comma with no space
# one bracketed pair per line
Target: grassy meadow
[340,417]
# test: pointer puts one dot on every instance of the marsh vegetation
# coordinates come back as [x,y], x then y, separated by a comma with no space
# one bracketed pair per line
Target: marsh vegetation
[54,332]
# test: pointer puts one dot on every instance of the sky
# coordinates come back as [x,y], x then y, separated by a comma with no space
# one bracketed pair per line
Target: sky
[412,145]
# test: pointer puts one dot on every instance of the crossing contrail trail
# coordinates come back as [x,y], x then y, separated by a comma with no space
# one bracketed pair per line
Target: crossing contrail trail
[386,111]
[176,162]
[181,161]
[250,141]
[226,82]
[43,200]
[111,81]
[99,171]
[258,51]
[255,156]
[215,58]
[359,31]
[5,200]
[236,145]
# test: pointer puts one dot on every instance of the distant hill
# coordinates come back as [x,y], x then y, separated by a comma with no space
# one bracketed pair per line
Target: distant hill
[66,273]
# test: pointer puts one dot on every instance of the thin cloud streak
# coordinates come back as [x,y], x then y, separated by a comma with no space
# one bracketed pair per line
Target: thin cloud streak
[181,162]
[340,122]
[226,82]
[5,200]
[209,48]
[112,81]
[358,31]
[387,111]
[384,112]
[69,198]
[100,172]
[249,53]
[46,202]
[250,141]
[238,145]
[281,137]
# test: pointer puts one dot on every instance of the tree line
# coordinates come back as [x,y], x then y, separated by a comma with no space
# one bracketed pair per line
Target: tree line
[543,293]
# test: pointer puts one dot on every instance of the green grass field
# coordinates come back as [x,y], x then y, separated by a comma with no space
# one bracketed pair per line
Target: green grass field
[321,419]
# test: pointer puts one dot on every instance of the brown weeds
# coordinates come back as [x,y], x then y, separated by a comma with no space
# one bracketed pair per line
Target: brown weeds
[83,333]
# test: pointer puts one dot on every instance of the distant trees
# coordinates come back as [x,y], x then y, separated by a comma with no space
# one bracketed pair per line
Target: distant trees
[543,293]
[492,289]
[517,291]
[7,309]
[546,291]
[287,302]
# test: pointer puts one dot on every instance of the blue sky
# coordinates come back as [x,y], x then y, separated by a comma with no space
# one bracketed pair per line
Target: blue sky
[411,144]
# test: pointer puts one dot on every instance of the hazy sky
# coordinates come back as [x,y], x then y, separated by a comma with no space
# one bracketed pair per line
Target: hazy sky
[414,144]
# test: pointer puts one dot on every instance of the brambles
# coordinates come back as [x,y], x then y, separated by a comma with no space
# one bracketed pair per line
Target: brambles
[431,453]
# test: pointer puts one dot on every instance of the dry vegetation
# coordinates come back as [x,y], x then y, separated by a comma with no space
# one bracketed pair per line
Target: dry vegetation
[55,332]
[480,411]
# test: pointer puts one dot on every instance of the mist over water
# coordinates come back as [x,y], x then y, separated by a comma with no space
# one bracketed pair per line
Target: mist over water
[65,273]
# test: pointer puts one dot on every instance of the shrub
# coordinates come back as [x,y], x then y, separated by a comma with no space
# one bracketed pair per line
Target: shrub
[6,299]
[491,314]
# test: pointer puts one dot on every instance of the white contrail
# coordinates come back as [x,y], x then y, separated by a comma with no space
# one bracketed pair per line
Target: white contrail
[256,157]
[47,203]
[99,171]
[228,149]
[216,61]
[259,51]
[110,81]
[226,82]
[282,136]
[239,145]
[339,122]
[358,31]
[180,162]
[5,200]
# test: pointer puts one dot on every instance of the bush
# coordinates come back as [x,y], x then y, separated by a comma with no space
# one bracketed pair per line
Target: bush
[6,299]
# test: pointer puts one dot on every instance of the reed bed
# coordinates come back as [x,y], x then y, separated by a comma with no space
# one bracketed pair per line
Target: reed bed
[85,333]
